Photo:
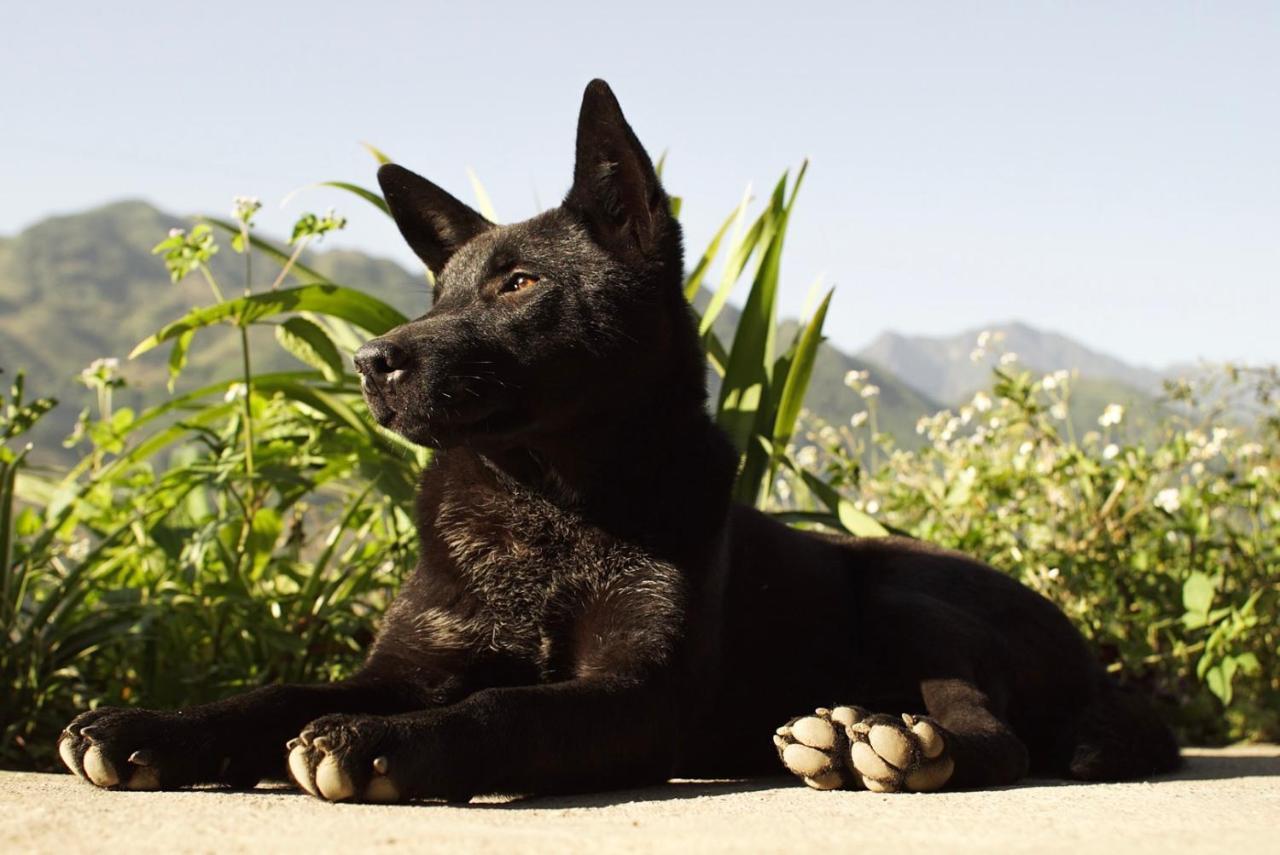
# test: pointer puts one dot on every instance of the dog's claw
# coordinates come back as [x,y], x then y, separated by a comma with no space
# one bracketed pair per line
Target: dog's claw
[142,757]
[380,765]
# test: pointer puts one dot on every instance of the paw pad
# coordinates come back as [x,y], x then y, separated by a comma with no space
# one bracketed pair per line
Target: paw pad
[845,746]
[95,754]
[329,767]
[813,746]
[889,756]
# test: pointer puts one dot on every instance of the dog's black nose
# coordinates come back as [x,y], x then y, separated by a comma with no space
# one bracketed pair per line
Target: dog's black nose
[377,358]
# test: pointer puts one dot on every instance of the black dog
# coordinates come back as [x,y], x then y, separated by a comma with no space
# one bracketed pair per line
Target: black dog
[589,610]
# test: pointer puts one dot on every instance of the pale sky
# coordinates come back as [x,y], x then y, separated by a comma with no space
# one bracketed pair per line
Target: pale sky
[1107,170]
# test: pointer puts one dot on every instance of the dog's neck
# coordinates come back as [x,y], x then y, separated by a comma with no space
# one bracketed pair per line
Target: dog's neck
[651,469]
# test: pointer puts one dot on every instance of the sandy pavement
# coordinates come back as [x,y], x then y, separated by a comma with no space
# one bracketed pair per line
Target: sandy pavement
[1224,801]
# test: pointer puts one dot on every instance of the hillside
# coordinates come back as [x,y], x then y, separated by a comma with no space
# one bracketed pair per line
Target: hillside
[83,286]
[941,367]
[79,287]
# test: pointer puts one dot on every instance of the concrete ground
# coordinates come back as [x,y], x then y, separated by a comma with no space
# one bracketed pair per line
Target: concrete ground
[1225,800]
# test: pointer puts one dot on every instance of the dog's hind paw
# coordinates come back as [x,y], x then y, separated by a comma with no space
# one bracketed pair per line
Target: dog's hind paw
[815,747]
[339,758]
[889,755]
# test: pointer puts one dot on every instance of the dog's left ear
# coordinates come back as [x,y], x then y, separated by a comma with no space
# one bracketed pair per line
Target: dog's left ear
[614,184]
[434,223]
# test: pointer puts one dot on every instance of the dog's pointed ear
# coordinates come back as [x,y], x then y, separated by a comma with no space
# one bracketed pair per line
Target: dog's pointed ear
[614,184]
[433,222]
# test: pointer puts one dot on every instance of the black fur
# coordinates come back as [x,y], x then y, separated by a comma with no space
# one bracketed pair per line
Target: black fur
[589,610]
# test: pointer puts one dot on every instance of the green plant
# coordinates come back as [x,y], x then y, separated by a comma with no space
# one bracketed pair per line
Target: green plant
[1162,545]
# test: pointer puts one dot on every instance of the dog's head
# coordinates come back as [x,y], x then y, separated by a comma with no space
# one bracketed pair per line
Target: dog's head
[538,325]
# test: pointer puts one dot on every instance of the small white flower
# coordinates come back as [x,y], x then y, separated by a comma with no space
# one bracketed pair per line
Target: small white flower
[1008,358]
[873,506]
[1050,382]
[1112,415]
[981,402]
[1110,451]
[235,392]
[859,418]
[1053,573]
[177,232]
[1026,448]
[976,354]
[870,390]
[1197,469]
[807,457]
[1250,449]
[984,338]
[783,489]
[854,379]
[79,550]
[1059,411]
[922,424]
[1168,500]
[1258,472]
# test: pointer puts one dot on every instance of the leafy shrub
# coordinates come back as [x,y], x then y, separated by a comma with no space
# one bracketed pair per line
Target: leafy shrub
[1161,542]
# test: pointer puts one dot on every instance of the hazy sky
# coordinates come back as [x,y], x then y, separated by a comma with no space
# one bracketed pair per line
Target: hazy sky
[1108,170]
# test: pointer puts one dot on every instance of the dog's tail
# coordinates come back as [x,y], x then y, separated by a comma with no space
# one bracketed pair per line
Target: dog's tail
[1120,736]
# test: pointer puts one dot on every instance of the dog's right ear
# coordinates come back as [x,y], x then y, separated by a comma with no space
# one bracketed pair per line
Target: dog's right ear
[615,186]
[434,223]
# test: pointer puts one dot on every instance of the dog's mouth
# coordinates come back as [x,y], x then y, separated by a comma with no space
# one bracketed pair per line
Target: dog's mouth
[440,425]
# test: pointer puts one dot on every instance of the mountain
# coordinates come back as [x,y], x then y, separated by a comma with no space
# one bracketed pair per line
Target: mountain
[84,286]
[80,287]
[941,367]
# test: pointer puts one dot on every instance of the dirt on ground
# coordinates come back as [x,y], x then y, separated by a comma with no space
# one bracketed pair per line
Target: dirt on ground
[1225,800]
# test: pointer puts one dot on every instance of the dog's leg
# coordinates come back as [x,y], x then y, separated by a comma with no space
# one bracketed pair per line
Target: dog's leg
[237,741]
[579,735]
[984,749]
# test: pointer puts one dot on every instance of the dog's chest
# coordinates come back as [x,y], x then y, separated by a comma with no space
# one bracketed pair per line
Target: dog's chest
[541,583]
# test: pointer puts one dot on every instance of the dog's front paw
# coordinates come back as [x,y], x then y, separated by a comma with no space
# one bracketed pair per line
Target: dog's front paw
[346,757]
[890,755]
[815,747]
[126,749]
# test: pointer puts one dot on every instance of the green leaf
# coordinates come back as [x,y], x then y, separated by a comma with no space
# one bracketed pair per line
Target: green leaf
[799,372]
[1197,593]
[357,307]
[378,154]
[853,520]
[483,201]
[311,345]
[178,356]
[368,195]
[694,282]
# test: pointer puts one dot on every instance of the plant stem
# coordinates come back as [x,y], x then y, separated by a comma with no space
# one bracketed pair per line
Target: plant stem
[288,265]
[208,277]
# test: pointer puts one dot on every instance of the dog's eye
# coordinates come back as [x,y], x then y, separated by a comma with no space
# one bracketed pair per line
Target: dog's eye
[518,282]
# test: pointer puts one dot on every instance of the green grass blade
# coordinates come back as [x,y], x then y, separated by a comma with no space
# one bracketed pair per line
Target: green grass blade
[798,374]
[482,197]
[694,282]
[378,154]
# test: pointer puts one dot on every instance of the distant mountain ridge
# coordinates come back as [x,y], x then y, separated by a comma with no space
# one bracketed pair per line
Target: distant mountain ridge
[82,286]
[942,368]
